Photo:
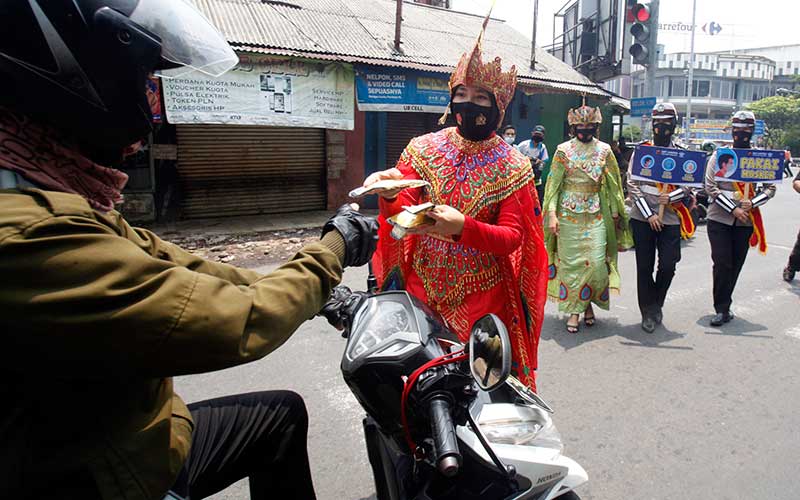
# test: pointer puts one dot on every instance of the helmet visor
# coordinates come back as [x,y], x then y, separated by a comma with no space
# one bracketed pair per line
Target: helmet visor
[187,38]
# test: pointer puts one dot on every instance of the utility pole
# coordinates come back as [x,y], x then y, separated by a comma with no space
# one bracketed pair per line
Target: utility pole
[398,23]
[690,88]
[652,59]
[533,41]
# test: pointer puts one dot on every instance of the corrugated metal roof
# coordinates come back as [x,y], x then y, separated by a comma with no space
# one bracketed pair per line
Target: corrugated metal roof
[621,103]
[363,31]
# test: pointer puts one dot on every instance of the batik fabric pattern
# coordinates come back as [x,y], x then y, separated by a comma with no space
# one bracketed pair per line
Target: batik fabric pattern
[498,263]
[584,190]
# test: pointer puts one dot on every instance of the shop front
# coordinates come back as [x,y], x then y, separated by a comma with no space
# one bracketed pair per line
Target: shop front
[399,104]
[254,141]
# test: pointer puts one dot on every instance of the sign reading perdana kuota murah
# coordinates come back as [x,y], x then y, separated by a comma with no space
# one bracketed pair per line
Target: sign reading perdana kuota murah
[263,90]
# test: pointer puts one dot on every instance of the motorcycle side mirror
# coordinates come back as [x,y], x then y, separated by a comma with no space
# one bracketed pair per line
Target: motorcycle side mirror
[489,352]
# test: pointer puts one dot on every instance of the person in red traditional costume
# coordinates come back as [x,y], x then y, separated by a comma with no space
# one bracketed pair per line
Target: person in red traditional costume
[485,253]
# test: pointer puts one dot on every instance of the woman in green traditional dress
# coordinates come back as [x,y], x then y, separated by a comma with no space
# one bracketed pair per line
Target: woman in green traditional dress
[587,223]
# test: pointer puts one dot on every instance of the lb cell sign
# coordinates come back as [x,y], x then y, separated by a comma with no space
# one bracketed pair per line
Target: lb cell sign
[668,165]
[389,89]
[748,165]
[264,90]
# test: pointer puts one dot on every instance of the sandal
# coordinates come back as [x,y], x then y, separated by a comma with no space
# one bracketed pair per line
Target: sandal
[589,320]
[574,328]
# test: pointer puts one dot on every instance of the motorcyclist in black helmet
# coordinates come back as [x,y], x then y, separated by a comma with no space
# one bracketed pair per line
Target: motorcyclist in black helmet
[98,316]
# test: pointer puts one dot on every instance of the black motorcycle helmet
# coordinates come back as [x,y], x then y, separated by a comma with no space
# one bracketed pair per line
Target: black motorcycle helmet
[82,65]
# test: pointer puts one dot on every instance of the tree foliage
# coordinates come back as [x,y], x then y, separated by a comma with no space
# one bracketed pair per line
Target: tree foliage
[782,118]
[777,111]
[632,133]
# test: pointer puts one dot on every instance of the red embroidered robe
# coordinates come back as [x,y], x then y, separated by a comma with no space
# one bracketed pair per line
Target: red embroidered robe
[498,263]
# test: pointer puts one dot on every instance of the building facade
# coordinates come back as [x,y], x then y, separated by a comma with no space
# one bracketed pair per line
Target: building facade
[723,82]
[321,98]
[787,63]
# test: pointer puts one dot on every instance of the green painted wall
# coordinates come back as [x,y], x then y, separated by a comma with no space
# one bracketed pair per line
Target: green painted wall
[550,110]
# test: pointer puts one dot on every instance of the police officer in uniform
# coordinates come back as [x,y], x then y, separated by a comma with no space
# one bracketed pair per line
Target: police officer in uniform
[729,220]
[653,235]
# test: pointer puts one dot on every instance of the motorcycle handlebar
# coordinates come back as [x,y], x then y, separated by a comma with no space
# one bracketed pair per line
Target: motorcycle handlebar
[335,309]
[448,458]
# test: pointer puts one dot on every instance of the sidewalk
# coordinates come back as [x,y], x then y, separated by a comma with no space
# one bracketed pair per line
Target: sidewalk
[244,225]
[251,224]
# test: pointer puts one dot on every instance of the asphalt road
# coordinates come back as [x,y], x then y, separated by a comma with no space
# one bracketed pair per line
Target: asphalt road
[690,411]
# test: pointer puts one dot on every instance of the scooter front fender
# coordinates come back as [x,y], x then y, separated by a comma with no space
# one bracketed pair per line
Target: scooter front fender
[575,477]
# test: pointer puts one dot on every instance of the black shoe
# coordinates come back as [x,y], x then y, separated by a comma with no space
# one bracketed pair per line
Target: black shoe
[788,275]
[648,324]
[659,317]
[721,318]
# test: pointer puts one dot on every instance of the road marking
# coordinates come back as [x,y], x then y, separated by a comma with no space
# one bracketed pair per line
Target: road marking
[794,332]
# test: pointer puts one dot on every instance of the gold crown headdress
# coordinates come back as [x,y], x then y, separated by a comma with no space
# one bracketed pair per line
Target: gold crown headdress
[584,115]
[472,72]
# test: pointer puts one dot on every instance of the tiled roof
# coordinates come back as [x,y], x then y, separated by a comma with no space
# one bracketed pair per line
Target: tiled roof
[363,31]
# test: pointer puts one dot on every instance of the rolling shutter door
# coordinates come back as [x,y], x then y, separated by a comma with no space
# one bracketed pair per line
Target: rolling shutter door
[230,170]
[400,129]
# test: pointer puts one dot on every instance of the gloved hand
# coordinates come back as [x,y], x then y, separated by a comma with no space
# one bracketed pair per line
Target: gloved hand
[359,232]
[341,307]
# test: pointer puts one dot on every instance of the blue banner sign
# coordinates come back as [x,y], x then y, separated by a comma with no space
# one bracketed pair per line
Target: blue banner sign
[394,89]
[642,106]
[749,165]
[759,128]
[668,165]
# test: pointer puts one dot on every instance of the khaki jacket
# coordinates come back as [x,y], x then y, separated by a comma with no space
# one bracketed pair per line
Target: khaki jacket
[97,316]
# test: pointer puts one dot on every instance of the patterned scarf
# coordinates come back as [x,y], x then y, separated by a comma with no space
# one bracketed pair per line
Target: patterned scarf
[682,211]
[41,155]
[759,236]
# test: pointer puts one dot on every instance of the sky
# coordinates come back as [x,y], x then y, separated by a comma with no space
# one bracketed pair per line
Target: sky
[745,24]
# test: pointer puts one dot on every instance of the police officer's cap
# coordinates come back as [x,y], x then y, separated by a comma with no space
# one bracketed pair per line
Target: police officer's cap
[743,119]
[665,110]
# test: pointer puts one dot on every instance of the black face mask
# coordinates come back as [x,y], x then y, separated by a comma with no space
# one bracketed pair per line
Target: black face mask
[475,123]
[662,132]
[537,138]
[585,134]
[741,139]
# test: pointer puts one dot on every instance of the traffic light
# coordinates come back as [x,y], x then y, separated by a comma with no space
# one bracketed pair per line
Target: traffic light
[640,15]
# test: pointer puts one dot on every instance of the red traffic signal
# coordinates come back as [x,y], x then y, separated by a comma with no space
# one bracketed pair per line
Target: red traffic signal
[640,12]
[640,15]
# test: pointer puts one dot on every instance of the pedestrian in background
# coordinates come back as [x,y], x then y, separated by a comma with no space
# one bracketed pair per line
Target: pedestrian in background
[787,166]
[794,259]
[510,134]
[535,149]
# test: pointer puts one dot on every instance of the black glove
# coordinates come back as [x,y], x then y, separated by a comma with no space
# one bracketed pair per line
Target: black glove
[360,234]
[341,307]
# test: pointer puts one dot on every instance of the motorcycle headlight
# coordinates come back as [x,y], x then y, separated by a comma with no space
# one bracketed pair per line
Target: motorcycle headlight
[381,320]
[519,425]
